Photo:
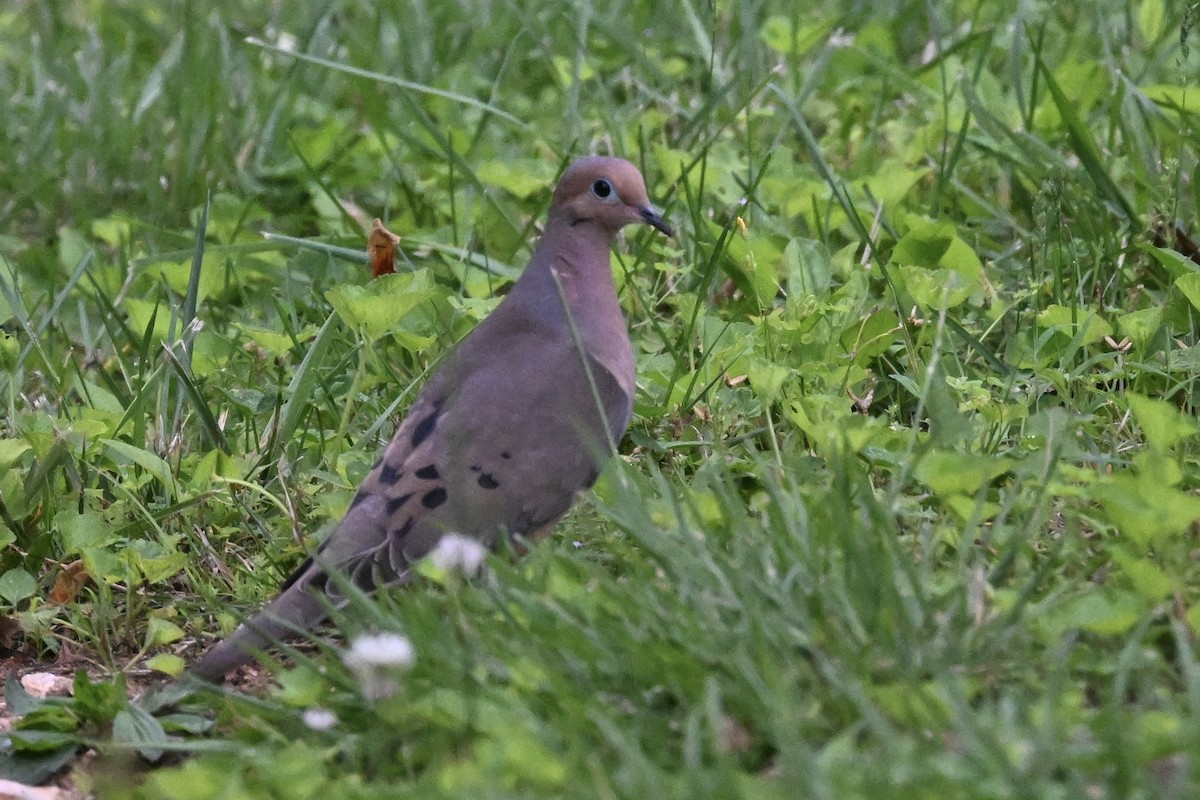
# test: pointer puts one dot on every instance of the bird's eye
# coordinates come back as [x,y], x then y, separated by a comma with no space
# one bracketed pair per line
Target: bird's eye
[602,189]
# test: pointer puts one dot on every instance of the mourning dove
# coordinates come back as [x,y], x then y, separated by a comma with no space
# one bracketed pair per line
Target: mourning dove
[517,420]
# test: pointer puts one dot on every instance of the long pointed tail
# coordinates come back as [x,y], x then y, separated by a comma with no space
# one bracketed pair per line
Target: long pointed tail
[297,609]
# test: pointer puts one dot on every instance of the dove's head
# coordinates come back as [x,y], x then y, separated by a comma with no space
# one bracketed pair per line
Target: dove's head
[608,192]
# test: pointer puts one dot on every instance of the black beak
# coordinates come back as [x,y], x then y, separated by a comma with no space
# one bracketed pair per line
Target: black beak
[651,217]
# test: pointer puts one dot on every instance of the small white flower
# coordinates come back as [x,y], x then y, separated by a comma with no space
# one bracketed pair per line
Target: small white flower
[319,719]
[374,659]
[380,650]
[455,552]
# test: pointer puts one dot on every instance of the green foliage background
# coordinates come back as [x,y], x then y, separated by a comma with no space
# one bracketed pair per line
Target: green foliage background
[909,504]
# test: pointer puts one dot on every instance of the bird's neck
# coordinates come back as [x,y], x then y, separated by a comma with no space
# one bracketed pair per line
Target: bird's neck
[569,275]
[568,288]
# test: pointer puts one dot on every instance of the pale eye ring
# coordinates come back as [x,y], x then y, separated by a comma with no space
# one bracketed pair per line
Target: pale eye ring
[602,188]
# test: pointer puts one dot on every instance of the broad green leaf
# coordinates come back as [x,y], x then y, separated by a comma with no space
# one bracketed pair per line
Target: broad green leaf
[152,561]
[11,450]
[766,378]
[892,182]
[924,244]
[1176,264]
[1080,84]
[1140,326]
[82,532]
[124,453]
[273,342]
[47,717]
[141,312]
[671,162]
[99,700]
[807,268]
[167,664]
[317,141]
[953,472]
[937,288]
[752,262]
[968,508]
[1089,326]
[1189,286]
[105,566]
[936,245]
[1173,97]
[1158,734]
[161,631]
[871,337]
[113,231]
[72,247]
[213,276]
[388,304]
[25,740]
[522,177]
[16,585]
[1146,509]
[301,687]
[1107,613]
[133,727]
[831,426]
[297,771]
[565,68]
[215,463]
[34,770]
[200,779]
[1146,577]
[1163,423]
[100,399]
[1151,19]
[778,33]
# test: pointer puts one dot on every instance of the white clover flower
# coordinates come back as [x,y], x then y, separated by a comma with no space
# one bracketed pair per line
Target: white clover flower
[319,719]
[380,650]
[456,552]
[374,659]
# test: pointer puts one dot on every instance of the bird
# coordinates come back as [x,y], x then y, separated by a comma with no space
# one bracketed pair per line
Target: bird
[514,423]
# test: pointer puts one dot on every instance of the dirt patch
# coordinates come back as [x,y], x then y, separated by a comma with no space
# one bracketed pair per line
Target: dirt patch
[88,770]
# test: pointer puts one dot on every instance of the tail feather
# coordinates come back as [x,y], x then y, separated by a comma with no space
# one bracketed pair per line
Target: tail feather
[296,610]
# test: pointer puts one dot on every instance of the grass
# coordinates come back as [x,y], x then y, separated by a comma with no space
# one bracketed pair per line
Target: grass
[908,507]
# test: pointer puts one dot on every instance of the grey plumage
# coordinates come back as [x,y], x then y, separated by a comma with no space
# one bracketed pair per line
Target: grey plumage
[518,418]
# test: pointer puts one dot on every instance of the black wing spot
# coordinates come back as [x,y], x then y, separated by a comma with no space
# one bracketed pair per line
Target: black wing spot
[434,498]
[506,454]
[426,426]
[390,474]
[476,468]
[396,503]
[403,530]
[487,481]
[428,473]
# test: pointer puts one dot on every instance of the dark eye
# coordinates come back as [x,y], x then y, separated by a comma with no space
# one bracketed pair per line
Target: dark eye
[602,189]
